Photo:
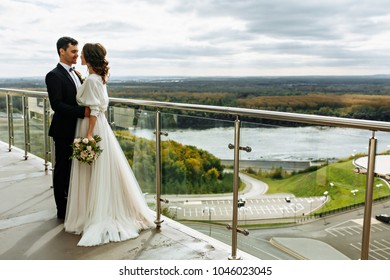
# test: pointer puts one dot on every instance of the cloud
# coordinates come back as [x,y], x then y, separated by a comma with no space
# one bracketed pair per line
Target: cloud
[46,5]
[173,52]
[207,37]
[108,26]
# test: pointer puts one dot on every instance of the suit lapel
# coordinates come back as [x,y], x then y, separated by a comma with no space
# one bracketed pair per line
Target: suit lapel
[66,75]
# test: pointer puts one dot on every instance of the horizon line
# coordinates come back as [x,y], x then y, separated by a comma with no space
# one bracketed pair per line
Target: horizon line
[214,76]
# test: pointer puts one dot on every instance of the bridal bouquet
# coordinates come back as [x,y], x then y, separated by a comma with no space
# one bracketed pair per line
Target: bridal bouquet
[86,150]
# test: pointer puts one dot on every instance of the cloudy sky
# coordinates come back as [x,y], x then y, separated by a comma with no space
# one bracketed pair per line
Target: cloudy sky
[201,37]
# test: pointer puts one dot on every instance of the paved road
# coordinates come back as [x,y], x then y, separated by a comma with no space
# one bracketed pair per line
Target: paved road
[343,232]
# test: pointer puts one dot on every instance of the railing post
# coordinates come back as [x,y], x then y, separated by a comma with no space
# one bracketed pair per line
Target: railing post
[11,139]
[236,184]
[158,220]
[26,126]
[236,171]
[369,197]
[110,117]
[46,120]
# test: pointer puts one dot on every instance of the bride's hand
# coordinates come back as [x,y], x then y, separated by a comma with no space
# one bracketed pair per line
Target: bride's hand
[90,138]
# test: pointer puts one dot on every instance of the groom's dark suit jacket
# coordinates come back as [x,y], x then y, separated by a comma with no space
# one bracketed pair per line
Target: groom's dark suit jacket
[62,94]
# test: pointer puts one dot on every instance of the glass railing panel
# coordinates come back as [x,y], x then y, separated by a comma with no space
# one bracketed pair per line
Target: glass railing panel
[134,130]
[36,127]
[18,127]
[195,179]
[3,118]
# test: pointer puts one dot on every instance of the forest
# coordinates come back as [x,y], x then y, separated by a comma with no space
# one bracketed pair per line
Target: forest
[185,169]
[359,97]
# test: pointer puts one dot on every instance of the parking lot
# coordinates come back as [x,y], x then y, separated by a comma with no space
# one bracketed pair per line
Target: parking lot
[352,230]
[253,209]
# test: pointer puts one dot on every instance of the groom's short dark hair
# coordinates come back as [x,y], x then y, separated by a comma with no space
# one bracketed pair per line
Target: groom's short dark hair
[64,42]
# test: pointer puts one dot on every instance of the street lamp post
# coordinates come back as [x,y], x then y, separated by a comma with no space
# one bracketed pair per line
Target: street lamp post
[325,200]
[325,196]
[354,196]
[209,209]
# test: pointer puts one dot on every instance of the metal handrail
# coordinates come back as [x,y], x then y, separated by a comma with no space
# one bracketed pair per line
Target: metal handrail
[24,92]
[265,114]
[236,111]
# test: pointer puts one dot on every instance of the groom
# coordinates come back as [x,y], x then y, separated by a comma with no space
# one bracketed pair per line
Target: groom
[62,83]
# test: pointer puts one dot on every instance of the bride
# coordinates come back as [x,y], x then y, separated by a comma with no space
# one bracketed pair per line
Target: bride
[105,202]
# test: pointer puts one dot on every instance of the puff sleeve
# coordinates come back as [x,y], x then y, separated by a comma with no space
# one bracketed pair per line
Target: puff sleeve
[91,94]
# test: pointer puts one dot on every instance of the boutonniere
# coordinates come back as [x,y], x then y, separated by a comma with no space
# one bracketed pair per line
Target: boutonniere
[82,79]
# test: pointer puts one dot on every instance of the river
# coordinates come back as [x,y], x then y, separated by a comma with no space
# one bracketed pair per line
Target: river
[281,143]
[267,143]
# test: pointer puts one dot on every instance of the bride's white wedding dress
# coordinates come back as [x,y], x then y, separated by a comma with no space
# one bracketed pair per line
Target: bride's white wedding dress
[105,202]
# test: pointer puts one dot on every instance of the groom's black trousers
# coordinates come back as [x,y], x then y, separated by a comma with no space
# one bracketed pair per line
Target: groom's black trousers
[61,176]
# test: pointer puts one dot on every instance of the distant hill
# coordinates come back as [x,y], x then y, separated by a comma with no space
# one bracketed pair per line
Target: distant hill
[374,84]
[29,82]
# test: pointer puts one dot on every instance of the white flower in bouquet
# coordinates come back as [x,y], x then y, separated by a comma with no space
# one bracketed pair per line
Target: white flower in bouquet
[85,150]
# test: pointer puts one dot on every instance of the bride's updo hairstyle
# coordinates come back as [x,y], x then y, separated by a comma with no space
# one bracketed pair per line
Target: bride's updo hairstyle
[95,56]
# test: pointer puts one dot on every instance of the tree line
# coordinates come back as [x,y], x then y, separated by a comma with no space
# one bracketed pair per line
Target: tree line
[185,169]
[361,97]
